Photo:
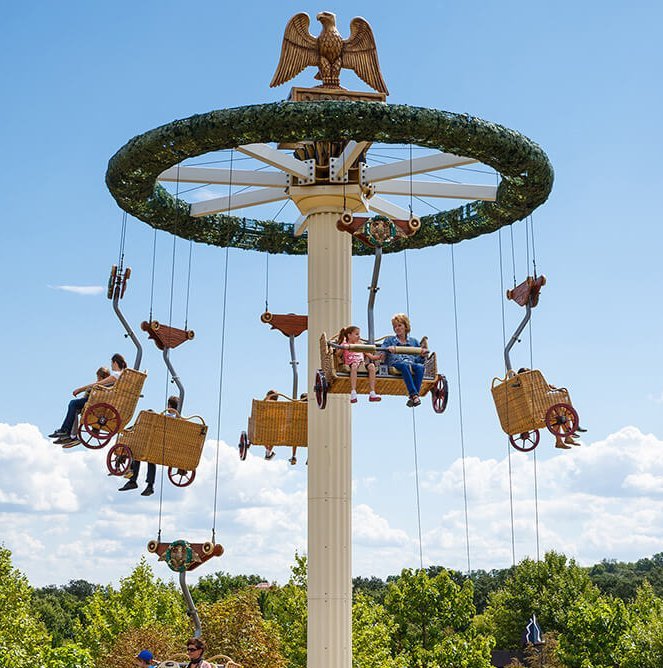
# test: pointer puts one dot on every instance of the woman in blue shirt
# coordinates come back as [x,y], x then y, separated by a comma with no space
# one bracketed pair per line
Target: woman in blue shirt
[410,366]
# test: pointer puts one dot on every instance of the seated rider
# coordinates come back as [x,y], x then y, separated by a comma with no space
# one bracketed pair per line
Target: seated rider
[348,336]
[411,366]
[173,412]
[63,434]
[102,372]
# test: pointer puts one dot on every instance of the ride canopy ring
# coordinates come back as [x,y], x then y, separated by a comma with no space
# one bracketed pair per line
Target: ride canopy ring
[527,175]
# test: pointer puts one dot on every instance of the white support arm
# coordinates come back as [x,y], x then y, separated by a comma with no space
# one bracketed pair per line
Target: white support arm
[437,189]
[300,225]
[303,169]
[387,208]
[429,163]
[238,177]
[239,201]
[339,167]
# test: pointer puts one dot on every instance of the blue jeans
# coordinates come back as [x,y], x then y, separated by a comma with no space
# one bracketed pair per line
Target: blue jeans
[413,375]
[75,405]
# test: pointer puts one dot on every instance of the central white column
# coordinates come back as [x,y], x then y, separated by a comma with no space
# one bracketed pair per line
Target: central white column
[329,431]
[330,455]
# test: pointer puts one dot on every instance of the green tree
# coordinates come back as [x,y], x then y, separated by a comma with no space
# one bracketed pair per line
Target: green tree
[60,607]
[433,622]
[546,588]
[593,631]
[235,627]
[142,600]
[287,607]
[158,638]
[372,628]
[24,639]
[641,645]
[69,655]
[215,587]
[373,587]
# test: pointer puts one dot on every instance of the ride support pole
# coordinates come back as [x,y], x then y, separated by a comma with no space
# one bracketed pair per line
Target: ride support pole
[330,455]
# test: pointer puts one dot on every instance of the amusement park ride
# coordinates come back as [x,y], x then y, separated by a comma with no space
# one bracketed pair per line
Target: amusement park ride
[316,144]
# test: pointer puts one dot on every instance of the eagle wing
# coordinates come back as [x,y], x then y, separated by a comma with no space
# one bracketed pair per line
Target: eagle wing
[298,51]
[361,55]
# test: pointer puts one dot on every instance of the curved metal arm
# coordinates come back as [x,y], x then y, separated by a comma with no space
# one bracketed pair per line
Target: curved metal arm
[293,363]
[175,377]
[130,333]
[373,292]
[191,607]
[517,333]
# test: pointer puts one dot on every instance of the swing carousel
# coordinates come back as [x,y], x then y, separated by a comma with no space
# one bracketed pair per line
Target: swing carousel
[316,150]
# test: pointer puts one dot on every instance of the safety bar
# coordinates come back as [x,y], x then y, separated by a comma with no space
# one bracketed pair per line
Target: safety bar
[372,348]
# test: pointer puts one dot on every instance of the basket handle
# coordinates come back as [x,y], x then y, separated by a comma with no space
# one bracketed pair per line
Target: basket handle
[195,417]
[509,375]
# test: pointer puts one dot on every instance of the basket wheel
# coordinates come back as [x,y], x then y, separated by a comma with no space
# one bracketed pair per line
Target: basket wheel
[99,424]
[440,394]
[181,477]
[244,445]
[152,546]
[208,547]
[526,441]
[562,419]
[118,459]
[320,389]
[266,317]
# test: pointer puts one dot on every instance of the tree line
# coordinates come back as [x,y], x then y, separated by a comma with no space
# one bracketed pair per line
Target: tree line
[610,614]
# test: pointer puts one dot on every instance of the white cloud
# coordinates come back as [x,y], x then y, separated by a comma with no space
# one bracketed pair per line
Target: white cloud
[85,290]
[63,517]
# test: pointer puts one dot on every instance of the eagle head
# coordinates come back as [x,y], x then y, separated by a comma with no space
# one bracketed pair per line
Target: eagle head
[328,19]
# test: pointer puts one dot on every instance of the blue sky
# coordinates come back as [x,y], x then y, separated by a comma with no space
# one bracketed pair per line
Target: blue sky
[580,79]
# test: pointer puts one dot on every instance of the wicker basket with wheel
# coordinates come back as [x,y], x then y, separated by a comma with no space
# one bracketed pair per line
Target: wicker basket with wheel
[525,403]
[172,441]
[276,423]
[109,409]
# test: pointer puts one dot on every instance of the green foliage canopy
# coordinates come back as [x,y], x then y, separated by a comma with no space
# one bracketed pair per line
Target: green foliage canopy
[24,639]
[546,588]
[141,600]
[527,175]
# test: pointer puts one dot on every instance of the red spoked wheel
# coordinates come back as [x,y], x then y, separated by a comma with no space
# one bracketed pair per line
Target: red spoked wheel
[118,459]
[440,394]
[562,420]
[181,477]
[320,389]
[526,441]
[244,445]
[99,424]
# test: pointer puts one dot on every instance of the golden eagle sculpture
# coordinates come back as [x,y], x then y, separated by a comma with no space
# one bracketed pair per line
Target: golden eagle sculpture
[329,52]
